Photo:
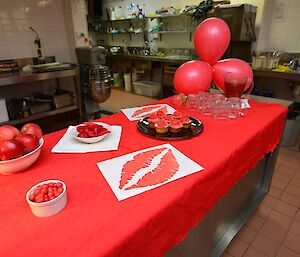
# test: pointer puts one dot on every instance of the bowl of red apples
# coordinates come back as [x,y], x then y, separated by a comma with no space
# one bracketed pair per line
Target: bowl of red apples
[19,149]
[90,132]
[47,198]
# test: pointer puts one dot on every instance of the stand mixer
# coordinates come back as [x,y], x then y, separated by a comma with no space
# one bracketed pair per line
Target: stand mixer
[95,80]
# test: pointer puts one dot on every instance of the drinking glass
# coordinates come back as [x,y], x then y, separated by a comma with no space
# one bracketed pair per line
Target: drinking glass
[234,84]
[178,100]
[222,110]
[209,106]
[192,102]
[235,104]
[202,97]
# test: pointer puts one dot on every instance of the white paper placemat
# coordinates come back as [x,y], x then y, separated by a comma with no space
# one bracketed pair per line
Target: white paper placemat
[68,144]
[131,174]
[137,113]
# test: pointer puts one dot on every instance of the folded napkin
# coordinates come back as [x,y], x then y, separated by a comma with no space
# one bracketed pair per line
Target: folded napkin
[69,144]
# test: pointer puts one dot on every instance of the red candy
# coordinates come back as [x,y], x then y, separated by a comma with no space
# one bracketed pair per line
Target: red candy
[90,129]
[46,192]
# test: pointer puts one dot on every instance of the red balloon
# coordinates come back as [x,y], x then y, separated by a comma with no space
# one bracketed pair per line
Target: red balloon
[211,39]
[233,65]
[193,77]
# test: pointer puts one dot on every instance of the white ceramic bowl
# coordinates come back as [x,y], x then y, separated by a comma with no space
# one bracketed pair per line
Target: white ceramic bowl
[90,140]
[22,163]
[51,207]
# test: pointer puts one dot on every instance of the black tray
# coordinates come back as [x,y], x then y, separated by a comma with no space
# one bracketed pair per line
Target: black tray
[196,128]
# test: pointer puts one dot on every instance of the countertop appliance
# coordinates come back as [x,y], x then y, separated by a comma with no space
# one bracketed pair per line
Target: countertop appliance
[95,80]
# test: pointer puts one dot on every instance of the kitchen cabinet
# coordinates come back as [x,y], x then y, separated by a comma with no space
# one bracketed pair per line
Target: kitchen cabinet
[240,19]
[22,84]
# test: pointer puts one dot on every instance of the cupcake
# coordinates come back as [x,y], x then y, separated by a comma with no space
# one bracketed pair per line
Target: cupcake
[168,118]
[177,115]
[152,119]
[160,114]
[176,126]
[162,126]
[186,122]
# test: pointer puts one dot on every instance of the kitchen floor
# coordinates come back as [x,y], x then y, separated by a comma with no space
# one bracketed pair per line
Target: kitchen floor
[273,230]
[120,99]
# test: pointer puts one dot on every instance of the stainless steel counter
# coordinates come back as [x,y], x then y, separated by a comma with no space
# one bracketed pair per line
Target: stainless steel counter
[167,58]
[292,76]
[27,77]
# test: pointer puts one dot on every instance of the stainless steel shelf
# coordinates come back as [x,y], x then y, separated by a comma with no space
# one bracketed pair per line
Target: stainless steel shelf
[23,77]
[41,115]
[171,31]
[124,33]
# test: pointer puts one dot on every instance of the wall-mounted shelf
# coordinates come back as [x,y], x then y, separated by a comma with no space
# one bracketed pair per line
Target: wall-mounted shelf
[117,33]
[123,33]
[171,31]
[127,19]
[105,26]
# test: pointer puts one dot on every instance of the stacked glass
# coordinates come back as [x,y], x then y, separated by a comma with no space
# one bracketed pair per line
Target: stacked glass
[215,105]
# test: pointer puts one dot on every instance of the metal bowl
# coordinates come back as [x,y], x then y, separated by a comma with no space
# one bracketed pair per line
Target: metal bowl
[99,91]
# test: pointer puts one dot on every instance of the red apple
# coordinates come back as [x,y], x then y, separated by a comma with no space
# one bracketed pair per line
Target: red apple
[30,142]
[8,132]
[33,129]
[10,149]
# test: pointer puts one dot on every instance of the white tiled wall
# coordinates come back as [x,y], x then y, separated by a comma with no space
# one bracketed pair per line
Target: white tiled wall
[281,35]
[59,23]
[45,16]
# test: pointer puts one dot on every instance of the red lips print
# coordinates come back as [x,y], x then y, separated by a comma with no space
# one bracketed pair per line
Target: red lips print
[143,112]
[165,169]
[164,109]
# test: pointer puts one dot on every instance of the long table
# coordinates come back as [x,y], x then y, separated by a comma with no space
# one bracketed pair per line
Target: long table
[94,223]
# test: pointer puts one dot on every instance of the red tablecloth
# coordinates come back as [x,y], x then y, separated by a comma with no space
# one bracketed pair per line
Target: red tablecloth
[94,223]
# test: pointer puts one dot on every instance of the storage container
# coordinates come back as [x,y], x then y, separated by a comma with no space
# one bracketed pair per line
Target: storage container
[264,62]
[127,82]
[147,88]
[3,110]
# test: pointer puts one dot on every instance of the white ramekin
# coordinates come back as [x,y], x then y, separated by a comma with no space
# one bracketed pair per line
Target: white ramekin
[51,207]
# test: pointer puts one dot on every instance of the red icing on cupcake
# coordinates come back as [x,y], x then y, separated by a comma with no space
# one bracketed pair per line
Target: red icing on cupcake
[176,124]
[168,118]
[161,124]
[177,115]
[153,119]
[153,116]
[160,114]
[185,120]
